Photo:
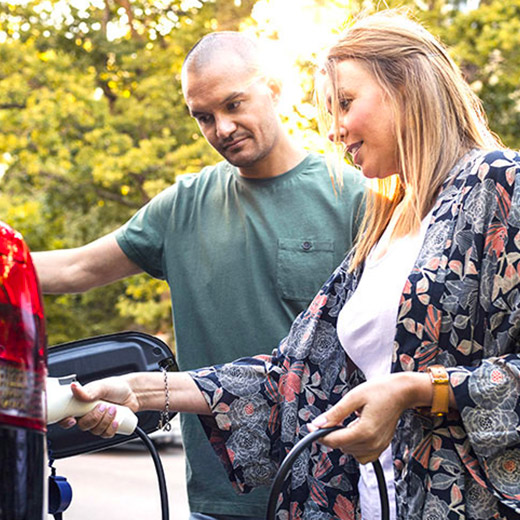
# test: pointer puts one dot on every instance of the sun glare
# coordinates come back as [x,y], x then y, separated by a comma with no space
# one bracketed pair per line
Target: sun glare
[297,31]
[303,27]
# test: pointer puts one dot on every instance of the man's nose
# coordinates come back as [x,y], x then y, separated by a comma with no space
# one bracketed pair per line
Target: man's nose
[225,127]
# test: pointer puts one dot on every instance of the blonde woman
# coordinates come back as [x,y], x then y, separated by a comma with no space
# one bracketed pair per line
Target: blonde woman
[413,342]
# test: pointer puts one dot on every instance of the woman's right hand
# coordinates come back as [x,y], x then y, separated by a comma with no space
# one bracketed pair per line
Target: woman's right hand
[101,420]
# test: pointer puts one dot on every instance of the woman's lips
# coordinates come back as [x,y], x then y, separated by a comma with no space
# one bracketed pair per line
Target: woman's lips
[353,150]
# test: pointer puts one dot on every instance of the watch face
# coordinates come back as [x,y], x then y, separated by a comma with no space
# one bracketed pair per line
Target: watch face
[438,374]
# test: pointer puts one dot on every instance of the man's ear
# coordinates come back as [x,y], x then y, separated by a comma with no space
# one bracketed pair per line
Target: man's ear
[275,86]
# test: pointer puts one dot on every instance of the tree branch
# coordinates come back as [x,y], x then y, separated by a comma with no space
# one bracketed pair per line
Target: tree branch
[6,106]
[100,192]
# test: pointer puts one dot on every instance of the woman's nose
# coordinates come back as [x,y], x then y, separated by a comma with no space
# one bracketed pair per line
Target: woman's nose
[336,133]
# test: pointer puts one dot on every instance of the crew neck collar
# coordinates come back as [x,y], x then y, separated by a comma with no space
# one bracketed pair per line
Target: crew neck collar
[271,180]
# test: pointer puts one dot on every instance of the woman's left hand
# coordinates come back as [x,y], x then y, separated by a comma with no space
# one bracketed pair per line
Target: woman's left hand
[378,403]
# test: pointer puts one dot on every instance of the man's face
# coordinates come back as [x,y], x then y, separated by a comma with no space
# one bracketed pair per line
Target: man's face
[235,110]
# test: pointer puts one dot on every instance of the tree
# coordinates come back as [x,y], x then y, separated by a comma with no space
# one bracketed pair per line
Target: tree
[93,126]
[94,123]
[486,44]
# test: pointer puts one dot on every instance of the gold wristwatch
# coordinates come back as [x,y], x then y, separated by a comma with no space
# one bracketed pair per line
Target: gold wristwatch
[441,390]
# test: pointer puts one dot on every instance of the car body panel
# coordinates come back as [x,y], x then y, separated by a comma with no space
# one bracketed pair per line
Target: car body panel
[23,447]
[23,474]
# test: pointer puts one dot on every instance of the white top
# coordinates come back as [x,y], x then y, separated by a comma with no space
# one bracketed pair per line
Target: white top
[366,329]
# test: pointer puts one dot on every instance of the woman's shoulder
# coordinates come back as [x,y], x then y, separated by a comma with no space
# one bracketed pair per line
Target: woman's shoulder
[500,168]
[497,160]
[478,167]
[503,158]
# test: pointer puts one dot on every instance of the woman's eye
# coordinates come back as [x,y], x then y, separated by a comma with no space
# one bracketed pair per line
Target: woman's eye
[344,104]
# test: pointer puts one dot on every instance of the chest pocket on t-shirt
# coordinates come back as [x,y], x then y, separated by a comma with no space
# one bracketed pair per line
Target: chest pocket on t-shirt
[303,266]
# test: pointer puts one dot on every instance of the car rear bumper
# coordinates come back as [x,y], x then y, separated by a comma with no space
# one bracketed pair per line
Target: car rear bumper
[23,476]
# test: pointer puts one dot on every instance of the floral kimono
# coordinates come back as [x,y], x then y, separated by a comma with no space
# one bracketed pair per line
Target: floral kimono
[460,307]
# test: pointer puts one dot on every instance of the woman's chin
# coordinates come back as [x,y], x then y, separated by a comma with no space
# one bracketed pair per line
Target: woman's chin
[370,173]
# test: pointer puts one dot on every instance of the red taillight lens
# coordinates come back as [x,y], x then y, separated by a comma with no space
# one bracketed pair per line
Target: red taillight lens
[22,336]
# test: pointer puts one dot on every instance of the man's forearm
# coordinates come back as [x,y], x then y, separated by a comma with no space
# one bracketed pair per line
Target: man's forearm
[76,270]
[57,273]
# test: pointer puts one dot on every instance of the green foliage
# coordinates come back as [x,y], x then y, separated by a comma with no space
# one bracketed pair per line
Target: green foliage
[94,123]
[93,126]
[486,44]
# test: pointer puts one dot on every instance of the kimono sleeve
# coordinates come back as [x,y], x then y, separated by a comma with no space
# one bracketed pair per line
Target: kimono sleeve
[245,422]
[488,392]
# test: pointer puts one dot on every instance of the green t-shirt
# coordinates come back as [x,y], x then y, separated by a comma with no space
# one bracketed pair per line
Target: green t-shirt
[242,258]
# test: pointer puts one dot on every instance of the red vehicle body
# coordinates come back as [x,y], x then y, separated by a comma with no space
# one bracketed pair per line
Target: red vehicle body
[23,370]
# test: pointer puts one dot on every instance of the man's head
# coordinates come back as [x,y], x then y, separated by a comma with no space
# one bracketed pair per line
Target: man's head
[233,98]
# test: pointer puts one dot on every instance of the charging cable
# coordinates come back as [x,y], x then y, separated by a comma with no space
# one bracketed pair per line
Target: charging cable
[60,491]
[287,463]
[165,515]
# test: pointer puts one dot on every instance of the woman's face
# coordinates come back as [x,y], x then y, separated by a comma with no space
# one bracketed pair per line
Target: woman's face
[366,120]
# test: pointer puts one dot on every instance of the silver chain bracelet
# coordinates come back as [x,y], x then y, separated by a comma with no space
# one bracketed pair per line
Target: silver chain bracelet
[164,419]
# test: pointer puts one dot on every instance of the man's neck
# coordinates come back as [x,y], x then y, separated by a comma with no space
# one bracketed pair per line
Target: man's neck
[285,157]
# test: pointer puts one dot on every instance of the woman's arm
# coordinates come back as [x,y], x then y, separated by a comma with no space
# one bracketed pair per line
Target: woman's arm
[138,391]
[379,404]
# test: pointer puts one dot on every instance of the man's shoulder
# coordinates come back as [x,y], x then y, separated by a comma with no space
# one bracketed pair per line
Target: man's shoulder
[319,163]
[186,188]
[315,162]
[206,175]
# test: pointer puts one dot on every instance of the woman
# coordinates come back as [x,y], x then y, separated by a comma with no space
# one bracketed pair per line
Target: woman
[421,317]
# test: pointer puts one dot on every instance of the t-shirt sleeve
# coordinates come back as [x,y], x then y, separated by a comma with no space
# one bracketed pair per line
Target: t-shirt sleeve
[142,237]
[356,186]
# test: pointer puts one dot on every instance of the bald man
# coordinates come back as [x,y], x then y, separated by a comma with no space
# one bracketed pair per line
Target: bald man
[244,244]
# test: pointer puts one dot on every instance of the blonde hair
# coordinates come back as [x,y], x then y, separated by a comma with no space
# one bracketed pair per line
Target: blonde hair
[437,116]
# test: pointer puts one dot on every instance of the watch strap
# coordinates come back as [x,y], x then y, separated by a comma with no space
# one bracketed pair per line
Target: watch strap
[441,390]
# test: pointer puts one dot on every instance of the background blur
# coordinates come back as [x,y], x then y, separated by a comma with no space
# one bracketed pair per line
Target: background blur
[93,123]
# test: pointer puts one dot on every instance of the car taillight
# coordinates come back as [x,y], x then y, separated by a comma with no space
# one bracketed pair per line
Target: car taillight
[22,336]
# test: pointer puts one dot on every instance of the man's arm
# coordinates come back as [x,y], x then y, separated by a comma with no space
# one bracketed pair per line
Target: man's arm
[77,270]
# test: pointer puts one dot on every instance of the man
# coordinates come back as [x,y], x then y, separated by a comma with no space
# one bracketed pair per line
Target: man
[244,245]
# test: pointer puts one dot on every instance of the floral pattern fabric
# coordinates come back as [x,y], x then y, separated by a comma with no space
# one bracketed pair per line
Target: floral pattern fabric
[460,307]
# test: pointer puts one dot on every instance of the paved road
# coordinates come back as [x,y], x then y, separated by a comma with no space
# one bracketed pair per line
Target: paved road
[122,485]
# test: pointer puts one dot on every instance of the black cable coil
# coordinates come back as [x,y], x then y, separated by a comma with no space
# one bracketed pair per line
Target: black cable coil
[287,463]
